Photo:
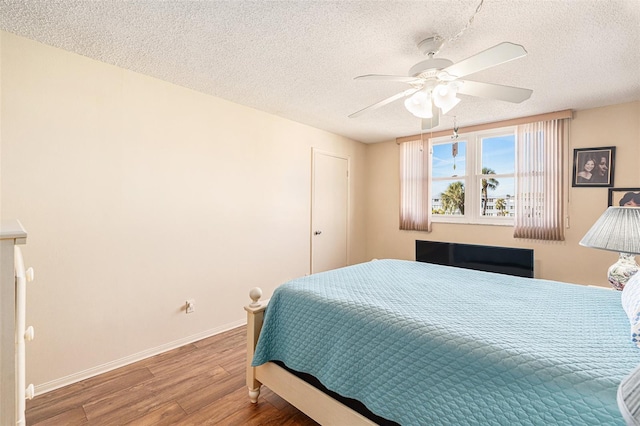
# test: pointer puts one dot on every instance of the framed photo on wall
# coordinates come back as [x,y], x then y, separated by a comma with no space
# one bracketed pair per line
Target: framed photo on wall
[624,197]
[593,166]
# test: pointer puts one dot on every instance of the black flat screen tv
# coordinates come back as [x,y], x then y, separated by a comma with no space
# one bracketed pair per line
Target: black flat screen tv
[503,260]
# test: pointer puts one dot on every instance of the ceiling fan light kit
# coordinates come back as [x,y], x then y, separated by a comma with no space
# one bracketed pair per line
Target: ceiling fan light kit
[420,104]
[444,96]
[436,81]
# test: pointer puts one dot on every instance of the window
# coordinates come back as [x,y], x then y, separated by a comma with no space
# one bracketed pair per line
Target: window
[458,177]
[473,177]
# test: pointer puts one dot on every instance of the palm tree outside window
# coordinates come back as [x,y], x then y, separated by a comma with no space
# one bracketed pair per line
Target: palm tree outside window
[453,199]
[487,184]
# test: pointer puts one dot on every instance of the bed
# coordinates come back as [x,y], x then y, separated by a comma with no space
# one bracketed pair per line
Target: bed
[419,343]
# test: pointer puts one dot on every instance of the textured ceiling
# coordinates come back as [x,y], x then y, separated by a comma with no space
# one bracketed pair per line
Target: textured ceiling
[297,59]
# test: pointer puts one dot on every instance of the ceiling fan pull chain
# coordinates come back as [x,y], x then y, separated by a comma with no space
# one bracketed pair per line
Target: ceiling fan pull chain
[455,37]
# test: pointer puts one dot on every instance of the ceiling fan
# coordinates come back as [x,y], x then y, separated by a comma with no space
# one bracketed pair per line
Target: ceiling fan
[435,82]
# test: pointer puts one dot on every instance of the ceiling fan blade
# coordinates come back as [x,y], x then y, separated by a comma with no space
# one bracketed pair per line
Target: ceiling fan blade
[403,79]
[384,102]
[430,123]
[494,91]
[496,55]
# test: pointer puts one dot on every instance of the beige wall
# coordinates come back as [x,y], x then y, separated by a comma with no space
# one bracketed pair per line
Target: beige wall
[617,125]
[137,195]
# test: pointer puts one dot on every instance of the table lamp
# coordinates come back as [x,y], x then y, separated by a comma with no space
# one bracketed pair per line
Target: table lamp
[618,229]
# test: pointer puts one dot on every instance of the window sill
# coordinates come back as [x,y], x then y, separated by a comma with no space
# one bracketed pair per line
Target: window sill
[466,221]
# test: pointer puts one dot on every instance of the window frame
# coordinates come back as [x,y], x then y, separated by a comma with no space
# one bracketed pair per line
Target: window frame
[472,177]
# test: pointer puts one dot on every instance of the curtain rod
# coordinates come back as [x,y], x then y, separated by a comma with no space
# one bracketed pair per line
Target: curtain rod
[558,115]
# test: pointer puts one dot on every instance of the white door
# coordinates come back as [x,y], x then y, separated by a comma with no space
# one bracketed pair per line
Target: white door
[329,210]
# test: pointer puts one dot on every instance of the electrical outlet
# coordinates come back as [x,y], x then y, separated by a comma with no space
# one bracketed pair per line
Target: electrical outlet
[190,306]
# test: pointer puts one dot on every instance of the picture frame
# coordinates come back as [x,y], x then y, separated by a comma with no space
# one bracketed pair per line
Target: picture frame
[624,197]
[593,167]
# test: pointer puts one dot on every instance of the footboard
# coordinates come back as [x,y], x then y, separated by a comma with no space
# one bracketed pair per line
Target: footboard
[316,404]
[255,316]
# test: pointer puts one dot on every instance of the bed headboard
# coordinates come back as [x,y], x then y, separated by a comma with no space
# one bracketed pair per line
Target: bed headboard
[504,260]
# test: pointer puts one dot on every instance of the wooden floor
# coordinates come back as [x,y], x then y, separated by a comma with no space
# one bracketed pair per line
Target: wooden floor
[202,383]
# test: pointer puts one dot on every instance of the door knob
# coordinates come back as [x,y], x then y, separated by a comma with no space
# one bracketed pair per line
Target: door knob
[317,233]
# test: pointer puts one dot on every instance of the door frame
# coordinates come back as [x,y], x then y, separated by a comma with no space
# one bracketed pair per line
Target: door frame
[314,152]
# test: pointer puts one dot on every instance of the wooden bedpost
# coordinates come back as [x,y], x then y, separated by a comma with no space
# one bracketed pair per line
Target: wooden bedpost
[308,399]
[255,316]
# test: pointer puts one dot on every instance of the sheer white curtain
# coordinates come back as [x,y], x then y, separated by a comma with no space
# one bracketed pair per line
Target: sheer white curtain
[415,201]
[540,161]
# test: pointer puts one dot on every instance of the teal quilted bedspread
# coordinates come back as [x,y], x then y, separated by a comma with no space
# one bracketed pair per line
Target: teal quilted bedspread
[425,344]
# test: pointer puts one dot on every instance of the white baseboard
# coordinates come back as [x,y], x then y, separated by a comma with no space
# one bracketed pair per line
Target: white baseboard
[82,375]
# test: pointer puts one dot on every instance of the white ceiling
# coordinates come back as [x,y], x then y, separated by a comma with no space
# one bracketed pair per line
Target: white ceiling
[297,59]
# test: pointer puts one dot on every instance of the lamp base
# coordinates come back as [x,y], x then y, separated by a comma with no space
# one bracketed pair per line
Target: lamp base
[620,272]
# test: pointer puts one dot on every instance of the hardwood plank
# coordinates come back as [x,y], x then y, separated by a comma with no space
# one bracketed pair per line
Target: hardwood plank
[233,361]
[168,354]
[235,409]
[198,362]
[72,417]
[84,392]
[166,414]
[288,413]
[299,419]
[273,398]
[217,390]
[232,409]
[197,384]
[231,338]
[268,415]
[145,397]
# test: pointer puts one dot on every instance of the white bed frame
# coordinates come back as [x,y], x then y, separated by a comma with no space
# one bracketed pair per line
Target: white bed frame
[313,402]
